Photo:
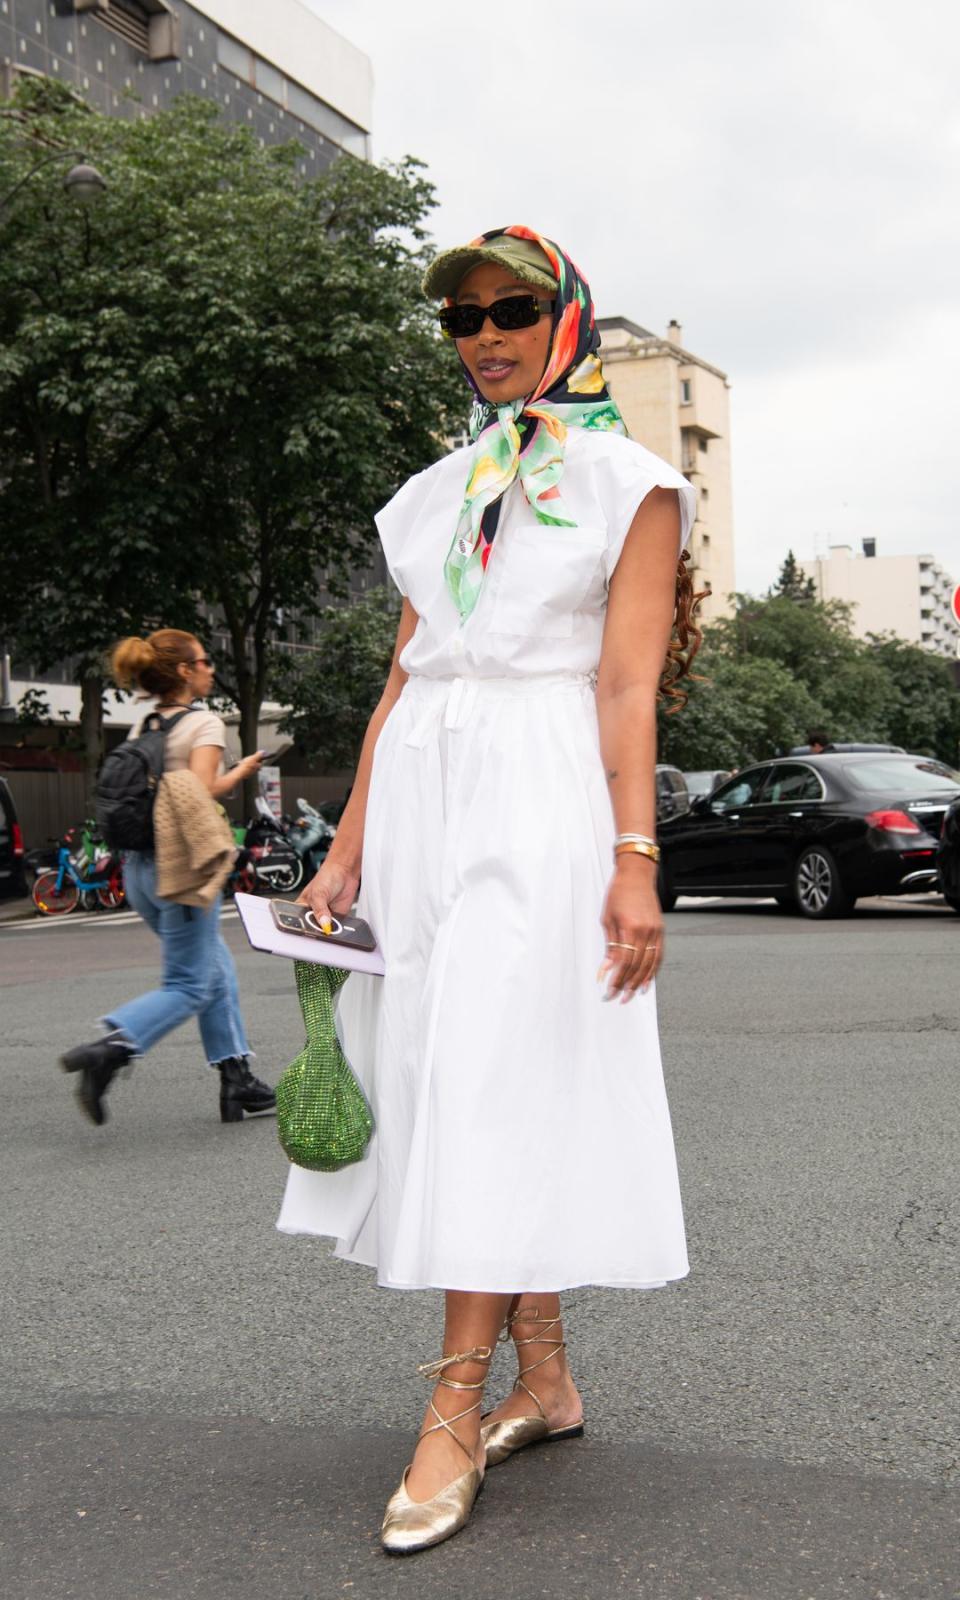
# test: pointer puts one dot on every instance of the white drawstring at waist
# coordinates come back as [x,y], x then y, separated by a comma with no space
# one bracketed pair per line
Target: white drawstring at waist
[450,701]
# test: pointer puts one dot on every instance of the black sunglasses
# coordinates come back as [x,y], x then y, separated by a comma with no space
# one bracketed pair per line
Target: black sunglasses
[201,661]
[513,311]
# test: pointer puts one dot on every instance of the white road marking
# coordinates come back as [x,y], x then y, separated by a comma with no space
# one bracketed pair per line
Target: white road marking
[87,919]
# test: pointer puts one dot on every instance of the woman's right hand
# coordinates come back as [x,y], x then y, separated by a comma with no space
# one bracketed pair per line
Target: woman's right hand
[333,889]
[247,766]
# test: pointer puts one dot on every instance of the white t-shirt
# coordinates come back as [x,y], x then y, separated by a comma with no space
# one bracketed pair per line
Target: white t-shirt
[542,602]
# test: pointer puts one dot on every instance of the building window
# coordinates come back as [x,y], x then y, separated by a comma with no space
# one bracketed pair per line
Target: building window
[686,391]
[703,445]
[269,81]
[235,57]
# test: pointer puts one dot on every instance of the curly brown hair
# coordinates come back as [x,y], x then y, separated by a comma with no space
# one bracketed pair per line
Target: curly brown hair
[685,640]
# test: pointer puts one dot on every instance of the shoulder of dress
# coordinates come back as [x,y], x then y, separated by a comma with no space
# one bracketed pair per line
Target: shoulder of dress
[439,478]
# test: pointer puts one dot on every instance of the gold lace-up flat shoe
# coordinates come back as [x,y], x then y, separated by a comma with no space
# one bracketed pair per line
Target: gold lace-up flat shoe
[410,1525]
[503,1439]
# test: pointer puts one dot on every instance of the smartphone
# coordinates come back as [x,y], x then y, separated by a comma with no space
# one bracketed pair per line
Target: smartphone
[350,931]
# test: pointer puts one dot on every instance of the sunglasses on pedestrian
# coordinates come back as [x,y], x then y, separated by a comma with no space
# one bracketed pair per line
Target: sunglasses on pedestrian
[512,312]
[201,661]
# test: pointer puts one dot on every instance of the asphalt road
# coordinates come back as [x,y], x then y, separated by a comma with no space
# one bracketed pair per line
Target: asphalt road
[197,1406]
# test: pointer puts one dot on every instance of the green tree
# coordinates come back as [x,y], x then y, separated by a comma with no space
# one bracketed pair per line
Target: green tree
[815,645]
[793,583]
[923,703]
[739,711]
[87,529]
[207,385]
[335,694]
[776,668]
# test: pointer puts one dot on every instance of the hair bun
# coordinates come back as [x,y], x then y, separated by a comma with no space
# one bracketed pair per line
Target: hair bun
[131,658]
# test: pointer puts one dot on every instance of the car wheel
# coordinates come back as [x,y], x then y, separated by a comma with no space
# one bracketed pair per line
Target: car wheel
[665,894]
[816,884]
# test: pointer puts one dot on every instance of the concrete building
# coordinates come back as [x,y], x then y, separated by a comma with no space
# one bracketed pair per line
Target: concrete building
[905,595]
[272,65]
[678,405]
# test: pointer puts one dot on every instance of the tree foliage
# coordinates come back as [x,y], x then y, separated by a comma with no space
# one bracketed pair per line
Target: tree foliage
[793,583]
[776,668]
[334,696]
[208,382]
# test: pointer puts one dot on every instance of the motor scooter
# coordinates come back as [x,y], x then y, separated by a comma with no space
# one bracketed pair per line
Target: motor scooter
[311,836]
[267,858]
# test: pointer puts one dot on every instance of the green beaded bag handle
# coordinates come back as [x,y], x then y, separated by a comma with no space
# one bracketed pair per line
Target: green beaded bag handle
[323,1118]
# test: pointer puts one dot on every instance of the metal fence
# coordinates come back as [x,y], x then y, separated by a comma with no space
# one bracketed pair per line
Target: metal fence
[48,803]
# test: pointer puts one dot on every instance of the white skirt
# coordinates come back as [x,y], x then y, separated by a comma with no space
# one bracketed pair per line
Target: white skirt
[522,1135]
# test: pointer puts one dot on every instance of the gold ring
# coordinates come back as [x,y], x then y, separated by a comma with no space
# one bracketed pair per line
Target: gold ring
[616,944]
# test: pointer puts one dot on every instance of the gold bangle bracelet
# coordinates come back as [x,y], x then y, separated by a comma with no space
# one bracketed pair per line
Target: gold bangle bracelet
[652,851]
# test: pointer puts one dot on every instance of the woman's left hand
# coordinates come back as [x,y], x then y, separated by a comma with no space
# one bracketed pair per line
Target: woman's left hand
[633,924]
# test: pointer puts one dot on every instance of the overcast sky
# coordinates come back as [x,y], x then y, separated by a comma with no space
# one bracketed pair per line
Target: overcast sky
[780,177]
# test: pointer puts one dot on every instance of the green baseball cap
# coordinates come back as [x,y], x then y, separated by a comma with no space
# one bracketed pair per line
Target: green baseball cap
[522,258]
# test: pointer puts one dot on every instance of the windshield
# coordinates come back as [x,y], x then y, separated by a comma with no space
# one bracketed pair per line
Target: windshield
[895,775]
[700,782]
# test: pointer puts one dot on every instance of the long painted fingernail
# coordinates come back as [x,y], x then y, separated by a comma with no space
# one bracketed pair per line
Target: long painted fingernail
[326,925]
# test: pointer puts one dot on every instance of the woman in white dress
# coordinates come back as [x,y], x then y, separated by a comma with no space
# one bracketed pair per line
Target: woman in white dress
[523,1142]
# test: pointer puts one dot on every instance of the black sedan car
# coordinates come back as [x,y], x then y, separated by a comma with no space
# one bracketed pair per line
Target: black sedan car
[814,832]
[948,856]
[11,845]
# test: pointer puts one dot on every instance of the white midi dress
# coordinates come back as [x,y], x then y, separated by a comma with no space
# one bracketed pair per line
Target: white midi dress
[522,1135]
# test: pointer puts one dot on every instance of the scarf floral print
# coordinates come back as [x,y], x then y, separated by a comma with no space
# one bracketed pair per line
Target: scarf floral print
[526,437]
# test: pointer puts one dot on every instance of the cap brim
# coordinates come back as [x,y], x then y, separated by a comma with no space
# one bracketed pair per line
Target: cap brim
[444,276]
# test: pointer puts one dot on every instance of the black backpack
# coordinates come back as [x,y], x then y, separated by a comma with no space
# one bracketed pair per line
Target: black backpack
[127,786]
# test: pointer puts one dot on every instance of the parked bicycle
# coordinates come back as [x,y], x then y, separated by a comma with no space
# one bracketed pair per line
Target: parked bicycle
[84,875]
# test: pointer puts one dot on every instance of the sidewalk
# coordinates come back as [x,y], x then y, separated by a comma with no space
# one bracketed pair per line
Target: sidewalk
[17,909]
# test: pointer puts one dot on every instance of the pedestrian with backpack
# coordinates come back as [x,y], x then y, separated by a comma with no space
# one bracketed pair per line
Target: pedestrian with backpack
[199,978]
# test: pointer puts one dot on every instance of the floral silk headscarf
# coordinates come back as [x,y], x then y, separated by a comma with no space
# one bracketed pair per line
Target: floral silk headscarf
[526,437]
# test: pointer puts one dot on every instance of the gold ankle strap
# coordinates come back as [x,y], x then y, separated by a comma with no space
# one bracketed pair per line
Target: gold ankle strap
[437,1369]
[533,1317]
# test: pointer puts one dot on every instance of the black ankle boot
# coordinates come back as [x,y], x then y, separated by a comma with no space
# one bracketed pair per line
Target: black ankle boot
[97,1063]
[241,1092]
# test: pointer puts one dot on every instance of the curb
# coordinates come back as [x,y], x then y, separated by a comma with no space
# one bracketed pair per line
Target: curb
[18,910]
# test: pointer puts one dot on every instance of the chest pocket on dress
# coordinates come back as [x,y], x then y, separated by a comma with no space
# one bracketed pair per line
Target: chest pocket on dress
[546,575]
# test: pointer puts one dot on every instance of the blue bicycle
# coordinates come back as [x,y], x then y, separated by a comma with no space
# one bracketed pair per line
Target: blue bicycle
[76,880]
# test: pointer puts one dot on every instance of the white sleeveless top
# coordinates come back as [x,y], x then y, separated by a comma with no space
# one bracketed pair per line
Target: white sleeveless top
[542,603]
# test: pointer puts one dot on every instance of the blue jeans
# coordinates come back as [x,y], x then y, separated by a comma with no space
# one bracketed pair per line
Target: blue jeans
[199,978]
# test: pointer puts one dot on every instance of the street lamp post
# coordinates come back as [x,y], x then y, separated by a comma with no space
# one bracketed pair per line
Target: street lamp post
[82,183]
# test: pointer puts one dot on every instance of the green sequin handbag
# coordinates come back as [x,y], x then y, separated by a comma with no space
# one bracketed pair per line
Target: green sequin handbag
[323,1118]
